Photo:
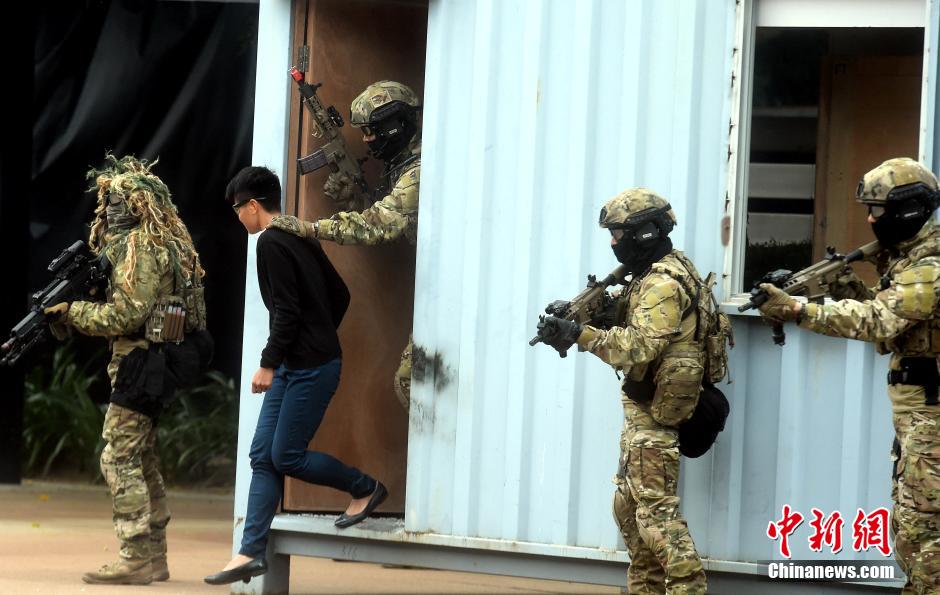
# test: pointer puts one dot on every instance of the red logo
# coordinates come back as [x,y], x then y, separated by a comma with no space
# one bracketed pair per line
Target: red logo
[868,530]
[871,531]
[783,528]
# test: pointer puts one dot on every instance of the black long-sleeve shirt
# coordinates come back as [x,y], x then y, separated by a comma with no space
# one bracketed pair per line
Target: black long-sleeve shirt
[305,297]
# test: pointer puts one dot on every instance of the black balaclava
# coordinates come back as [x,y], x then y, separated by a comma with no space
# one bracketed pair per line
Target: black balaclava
[901,221]
[393,128]
[638,257]
[645,241]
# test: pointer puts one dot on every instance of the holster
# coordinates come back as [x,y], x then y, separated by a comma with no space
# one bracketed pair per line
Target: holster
[918,371]
[640,391]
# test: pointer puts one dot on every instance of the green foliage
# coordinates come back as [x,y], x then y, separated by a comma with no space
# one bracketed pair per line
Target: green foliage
[762,258]
[197,432]
[61,423]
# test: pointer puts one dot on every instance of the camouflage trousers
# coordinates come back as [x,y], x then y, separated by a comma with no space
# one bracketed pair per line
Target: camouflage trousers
[916,489]
[663,558]
[403,376]
[131,467]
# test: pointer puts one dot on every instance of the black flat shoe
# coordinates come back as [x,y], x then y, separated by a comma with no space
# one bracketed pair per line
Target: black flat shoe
[256,567]
[378,496]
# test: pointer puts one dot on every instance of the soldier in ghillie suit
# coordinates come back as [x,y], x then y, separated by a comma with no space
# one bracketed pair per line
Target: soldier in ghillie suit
[155,299]
[387,114]
[654,336]
[901,317]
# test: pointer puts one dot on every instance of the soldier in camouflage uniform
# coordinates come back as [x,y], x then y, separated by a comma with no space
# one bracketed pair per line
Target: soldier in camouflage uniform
[653,342]
[387,113]
[152,259]
[901,317]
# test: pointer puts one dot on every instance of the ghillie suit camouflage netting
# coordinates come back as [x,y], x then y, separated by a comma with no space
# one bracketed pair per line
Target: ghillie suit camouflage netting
[147,199]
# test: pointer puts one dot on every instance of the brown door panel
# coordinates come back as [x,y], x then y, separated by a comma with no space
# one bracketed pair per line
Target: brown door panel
[869,112]
[352,44]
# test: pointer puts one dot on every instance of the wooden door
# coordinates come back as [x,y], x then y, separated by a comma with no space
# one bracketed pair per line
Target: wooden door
[352,44]
[869,112]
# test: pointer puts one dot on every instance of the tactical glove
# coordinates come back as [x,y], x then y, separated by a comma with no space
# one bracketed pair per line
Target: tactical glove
[558,333]
[293,225]
[56,316]
[340,187]
[779,304]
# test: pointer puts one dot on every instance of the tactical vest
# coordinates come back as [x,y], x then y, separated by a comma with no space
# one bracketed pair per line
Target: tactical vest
[712,327]
[176,315]
[670,384]
[916,281]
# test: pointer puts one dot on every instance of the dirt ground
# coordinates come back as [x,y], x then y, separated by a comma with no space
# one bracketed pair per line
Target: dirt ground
[51,533]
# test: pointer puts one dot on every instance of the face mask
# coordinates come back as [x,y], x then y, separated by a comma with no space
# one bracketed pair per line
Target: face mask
[900,223]
[638,257]
[392,133]
[118,215]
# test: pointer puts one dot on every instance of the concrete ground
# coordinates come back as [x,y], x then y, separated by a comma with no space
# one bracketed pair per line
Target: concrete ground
[51,533]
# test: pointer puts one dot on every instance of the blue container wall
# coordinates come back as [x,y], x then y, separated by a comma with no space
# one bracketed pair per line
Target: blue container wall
[810,427]
[535,114]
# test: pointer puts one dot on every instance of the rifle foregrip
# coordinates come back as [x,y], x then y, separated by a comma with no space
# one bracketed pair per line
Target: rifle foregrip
[854,255]
[755,302]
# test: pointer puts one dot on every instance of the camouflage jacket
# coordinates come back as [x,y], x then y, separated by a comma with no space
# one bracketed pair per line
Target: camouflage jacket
[902,318]
[392,217]
[654,322]
[129,303]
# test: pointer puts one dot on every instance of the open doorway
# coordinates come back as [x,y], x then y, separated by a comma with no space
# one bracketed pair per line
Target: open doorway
[828,105]
[353,43]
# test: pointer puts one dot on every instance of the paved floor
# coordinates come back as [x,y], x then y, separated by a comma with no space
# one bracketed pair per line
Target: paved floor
[51,533]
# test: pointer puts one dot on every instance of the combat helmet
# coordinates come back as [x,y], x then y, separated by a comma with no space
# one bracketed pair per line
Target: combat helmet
[901,195]
[635,206]
[388,111]
[639,221]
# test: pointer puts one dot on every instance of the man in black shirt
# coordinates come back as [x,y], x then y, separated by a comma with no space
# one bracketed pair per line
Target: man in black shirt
[299,372]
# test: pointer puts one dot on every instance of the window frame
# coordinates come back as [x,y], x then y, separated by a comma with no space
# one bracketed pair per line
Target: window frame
[805,14]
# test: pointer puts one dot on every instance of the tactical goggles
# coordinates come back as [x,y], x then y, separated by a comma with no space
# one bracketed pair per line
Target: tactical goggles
[617,234]
[637,220]
[876,211]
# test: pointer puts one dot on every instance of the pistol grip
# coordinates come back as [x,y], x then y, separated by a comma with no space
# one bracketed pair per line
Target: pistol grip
[780,337]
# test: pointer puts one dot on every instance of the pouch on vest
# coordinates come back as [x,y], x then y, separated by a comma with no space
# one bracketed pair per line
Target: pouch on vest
[699,432]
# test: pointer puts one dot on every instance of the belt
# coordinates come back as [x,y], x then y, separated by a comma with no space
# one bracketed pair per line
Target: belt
[919,371]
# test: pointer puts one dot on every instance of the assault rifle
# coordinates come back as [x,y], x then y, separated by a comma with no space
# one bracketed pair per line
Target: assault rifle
[77,274]
[585,306]
[813,281]
[327,123]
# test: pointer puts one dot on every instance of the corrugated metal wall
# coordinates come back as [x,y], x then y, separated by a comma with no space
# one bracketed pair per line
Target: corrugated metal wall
[535,114]
[810,427]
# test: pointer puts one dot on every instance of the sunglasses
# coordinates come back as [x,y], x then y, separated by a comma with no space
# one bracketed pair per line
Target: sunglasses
[242,203]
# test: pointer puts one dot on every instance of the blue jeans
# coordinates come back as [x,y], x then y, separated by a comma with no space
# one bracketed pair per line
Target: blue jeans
[290,415]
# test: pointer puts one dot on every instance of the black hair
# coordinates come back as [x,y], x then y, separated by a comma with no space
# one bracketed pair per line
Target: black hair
[259,183]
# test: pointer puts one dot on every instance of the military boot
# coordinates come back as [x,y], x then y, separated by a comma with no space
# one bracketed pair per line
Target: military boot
[122,572]
[160,572]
